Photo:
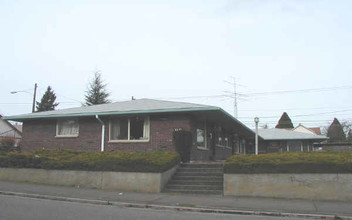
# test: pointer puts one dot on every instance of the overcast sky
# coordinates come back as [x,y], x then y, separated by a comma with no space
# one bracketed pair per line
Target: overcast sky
[184,51]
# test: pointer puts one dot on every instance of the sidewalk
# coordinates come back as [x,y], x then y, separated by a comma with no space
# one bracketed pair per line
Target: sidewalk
[207,203]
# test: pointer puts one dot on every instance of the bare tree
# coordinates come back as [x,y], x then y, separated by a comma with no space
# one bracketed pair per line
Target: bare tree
[346,126]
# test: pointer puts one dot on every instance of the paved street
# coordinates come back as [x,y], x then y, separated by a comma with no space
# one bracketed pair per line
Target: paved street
[185,200]
[17,208]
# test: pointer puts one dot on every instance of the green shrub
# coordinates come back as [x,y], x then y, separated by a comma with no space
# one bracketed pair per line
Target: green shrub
[94,161]
[300,162]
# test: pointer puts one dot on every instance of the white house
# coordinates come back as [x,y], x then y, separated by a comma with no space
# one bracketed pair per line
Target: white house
[301,128]
[9,131]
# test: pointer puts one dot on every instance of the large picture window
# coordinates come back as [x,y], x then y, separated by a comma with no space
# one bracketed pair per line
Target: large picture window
[67,128]
[129,129]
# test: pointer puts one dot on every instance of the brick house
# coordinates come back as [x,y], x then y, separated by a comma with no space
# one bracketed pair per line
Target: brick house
[137,125]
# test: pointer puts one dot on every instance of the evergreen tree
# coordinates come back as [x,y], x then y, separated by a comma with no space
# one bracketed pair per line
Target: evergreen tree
[96,93]
[284,122]
[47,102]
[335,132]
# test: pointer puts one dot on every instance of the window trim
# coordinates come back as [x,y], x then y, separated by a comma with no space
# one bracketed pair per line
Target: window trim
[129,131]
[57,135]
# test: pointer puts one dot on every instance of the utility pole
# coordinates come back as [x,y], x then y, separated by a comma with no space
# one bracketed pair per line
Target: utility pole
[34,95]
[256,120]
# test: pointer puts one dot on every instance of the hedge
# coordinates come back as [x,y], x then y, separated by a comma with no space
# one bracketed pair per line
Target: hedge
[300,162]
[93,161]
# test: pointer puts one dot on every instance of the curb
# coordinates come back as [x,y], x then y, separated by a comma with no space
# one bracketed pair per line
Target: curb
[176,208]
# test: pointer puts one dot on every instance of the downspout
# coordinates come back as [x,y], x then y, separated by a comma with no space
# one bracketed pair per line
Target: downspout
[102,132]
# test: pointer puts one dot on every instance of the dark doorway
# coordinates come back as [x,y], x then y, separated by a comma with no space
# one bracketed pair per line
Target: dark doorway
[183,144]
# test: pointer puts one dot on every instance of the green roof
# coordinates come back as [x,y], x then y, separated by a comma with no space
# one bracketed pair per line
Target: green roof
[140,106]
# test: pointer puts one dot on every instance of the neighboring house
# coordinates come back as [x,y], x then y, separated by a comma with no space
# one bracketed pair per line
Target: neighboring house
[9,131]
[283,140]
[301,128]
[137,125]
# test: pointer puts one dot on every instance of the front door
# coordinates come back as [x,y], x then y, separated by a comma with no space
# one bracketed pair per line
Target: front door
[183,144]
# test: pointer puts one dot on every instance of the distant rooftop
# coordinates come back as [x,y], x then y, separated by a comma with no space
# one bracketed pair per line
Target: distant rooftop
[284,134]
[316,130]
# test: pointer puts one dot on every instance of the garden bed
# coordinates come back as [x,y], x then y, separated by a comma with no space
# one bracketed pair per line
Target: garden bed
[290,162]
[117,161]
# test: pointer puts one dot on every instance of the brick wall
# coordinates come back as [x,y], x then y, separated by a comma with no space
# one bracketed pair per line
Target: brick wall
[222,152]
[38,134]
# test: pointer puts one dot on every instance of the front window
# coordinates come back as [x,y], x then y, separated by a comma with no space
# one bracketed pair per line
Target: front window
[226,141]
[119,129]
[219,140]
[129,129]
[67,127]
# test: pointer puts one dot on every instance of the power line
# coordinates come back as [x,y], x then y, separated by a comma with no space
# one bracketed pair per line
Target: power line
[237,95]
[27,103]
[313,114]
[286,109]
[193,97]
[299,90]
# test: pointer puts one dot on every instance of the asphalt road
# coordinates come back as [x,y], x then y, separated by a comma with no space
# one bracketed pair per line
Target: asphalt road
[17,208]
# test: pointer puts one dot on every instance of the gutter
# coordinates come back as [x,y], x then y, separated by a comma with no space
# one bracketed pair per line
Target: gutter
[102,132]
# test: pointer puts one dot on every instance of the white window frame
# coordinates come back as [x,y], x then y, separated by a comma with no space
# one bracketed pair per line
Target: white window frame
[65,136]
[128,140]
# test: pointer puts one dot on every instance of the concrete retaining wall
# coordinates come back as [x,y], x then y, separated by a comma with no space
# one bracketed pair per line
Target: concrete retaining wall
[126,181]
[291,186]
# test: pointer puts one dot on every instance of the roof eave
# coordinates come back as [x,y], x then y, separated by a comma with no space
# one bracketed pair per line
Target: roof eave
[235,119]
[33,116]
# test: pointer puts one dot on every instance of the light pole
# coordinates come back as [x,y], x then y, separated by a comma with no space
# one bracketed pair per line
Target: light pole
[34,95]
[256,120]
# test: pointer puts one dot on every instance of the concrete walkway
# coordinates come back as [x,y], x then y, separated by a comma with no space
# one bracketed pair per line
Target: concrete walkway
[202,203]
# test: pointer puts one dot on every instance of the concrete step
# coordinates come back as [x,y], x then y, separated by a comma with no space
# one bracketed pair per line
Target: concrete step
[194,187]
[216,192]
[197,174]
[195,182]
[200,170]
[198,178]
[202,165]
